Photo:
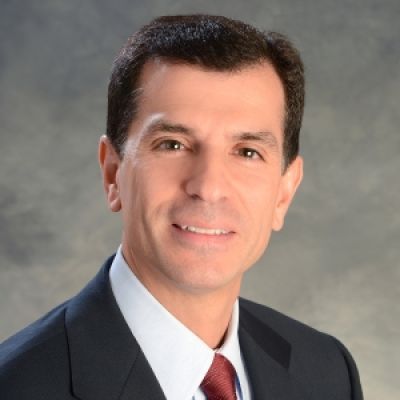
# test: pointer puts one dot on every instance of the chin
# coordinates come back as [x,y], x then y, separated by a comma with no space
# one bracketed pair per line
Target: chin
[200,277]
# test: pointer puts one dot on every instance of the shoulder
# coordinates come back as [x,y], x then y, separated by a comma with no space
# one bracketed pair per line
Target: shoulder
[35,363]
[35,357]
[313,356]
[297,334]
[291,329]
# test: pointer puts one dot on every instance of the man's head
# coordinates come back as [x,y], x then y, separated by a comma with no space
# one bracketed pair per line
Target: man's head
[195,151]
[214,43]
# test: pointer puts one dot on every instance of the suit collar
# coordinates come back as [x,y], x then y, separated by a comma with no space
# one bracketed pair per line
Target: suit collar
[269,340]
[267,357]
[101,345]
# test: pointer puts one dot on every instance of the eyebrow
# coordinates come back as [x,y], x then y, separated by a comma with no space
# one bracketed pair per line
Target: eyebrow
[264,137]
[166,126]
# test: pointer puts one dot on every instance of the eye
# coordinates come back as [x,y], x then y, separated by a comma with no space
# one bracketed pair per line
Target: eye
[249,153]
[170,145]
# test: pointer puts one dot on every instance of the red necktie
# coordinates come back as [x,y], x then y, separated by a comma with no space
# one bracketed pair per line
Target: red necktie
[219,382]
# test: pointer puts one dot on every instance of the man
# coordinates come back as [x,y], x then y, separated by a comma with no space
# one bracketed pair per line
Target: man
[201,159]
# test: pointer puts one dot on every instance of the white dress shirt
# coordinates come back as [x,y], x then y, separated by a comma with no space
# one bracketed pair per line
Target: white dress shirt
[178,358]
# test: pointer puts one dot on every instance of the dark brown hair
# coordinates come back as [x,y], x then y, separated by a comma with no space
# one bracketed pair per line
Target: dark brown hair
[212,42]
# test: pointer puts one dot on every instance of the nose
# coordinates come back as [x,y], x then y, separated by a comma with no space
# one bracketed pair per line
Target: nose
[207,179]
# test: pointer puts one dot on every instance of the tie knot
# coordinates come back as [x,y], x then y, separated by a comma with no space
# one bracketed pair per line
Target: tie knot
[219,382]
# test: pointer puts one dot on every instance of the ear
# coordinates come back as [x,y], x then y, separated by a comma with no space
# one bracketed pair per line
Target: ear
[290,181]
[110,163]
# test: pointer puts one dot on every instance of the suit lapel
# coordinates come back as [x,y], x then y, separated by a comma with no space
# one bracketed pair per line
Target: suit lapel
[106,361]
[267,358]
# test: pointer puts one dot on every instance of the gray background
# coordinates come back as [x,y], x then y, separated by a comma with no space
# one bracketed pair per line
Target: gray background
[336,263]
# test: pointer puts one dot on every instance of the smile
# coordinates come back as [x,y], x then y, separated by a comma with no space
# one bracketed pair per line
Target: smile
[203,231]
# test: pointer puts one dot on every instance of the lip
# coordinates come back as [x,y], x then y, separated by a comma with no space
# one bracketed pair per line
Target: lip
[196,238]
[202,224]
[204,229]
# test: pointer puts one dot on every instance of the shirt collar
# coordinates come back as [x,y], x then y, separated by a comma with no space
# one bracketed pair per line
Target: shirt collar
[174,353]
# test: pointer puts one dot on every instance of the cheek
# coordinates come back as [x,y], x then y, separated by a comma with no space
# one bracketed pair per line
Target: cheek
[261,195]
[161,180]
[261,206]
[149,186]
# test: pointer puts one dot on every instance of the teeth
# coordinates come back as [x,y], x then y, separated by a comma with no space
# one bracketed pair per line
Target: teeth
[204,231]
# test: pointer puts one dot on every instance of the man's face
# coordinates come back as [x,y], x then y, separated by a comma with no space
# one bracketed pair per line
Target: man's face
[200,184]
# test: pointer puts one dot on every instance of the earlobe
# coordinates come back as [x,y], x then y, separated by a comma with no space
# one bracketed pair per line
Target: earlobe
[109,164]
[113,199]
[289,184]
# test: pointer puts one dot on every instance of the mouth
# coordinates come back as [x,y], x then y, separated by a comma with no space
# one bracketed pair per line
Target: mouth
[203,231]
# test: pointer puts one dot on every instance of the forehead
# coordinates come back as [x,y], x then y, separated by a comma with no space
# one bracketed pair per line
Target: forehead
[249,99]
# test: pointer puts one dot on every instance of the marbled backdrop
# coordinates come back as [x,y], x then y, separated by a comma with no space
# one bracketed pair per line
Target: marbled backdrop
[336,263]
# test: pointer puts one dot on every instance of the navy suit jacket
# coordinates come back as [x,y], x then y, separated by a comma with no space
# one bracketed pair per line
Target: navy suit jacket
[83,349]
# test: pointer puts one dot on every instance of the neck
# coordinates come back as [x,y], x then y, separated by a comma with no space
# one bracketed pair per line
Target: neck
[207,316]
[205,311]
